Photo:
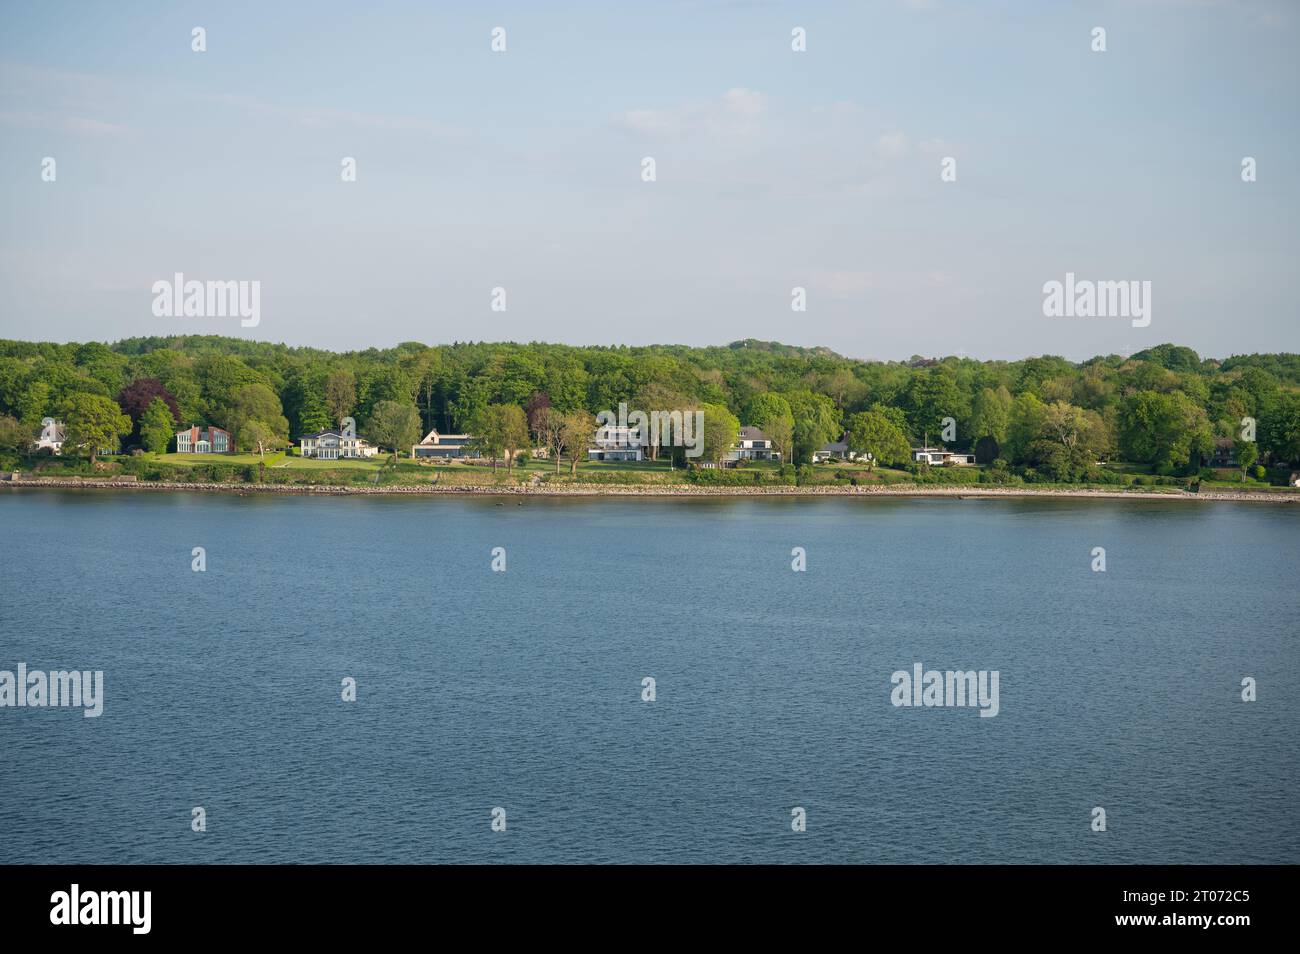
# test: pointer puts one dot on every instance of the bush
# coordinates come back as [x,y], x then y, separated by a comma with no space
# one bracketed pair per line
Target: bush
[1259,472]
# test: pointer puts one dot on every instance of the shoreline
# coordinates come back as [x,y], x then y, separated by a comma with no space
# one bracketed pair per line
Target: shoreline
[649,490]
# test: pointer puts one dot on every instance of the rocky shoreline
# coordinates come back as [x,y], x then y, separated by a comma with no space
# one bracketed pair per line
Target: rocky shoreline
[648,490]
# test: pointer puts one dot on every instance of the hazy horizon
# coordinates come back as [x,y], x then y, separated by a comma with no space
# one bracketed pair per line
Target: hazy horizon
[774,169]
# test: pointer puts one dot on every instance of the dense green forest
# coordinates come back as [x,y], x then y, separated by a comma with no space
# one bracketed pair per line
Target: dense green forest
[1163,407]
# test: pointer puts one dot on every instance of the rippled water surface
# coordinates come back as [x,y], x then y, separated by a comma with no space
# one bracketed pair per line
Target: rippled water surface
[522,689]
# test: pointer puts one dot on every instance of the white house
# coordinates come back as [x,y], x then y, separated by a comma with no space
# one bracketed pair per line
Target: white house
[616,442]
[753,444]
[51,438]
[442,445]
[940,455]
[335,445]
[203,440]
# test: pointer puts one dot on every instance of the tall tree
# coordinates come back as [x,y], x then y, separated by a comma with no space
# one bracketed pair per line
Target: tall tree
[720,430]
[395,424]
[92,421]
[502,430]
[577,432]
[771,414]
[157,426]
[872,433]
[340,394]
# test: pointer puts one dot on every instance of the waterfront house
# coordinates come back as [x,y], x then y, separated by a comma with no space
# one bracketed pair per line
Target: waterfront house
[940,455]
[1225,453]
[204,440]
[51,439]
[616,442]
[835,450]
[332,444]
[442,445]
[752,444]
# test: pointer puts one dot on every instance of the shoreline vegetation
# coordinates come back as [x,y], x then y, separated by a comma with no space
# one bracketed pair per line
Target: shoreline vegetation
[651,490]
[766,419]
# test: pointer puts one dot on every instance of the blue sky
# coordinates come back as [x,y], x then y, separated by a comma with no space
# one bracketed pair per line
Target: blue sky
[775,169]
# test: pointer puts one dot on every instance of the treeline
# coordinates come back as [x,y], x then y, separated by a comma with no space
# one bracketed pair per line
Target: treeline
[1164,407]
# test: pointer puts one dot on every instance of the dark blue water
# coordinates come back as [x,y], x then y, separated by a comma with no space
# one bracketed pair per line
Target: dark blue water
[522,689]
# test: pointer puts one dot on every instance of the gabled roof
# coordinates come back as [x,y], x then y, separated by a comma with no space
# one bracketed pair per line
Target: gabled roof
[748,433]
[433,437]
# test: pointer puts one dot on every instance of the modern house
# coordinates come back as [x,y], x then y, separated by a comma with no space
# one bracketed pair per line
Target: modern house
[203,440]
[753,444]
[940,455]
[51,439]
[335,445]
[616,442]
[442,445]
[835,450]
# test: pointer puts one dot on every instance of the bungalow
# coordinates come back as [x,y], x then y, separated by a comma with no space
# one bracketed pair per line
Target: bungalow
[442,445]
[753,444]
[335,445]
[203,440]
[835,450]
[939,455]
[51,439]
[616,442]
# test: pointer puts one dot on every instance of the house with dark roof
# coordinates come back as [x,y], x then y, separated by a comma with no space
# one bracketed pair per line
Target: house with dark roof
[835,450]
[752,444]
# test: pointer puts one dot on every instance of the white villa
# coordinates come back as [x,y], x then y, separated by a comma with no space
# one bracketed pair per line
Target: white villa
[939,455]
[442,445]
[335,445]
[616,442]
[203,440]
[51,438]
[753,444]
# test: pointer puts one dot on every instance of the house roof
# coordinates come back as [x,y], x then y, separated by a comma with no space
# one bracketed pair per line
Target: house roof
[434,438]
[752,434]
[834,447]
[196,430]
[333,433]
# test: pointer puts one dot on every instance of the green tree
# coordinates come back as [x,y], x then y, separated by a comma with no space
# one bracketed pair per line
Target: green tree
[91,422]
[771,414]
[991,414]
[719,434]
[157,426]
[816,422]
[502,430]
[1163,430]
[395,424]
[577,430]
[1280,429]
[257,436]
[340,394]
[14,438]
[254,402]
[872,433]
[1247,454]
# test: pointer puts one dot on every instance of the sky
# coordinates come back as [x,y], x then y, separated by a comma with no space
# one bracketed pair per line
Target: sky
[774,169]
